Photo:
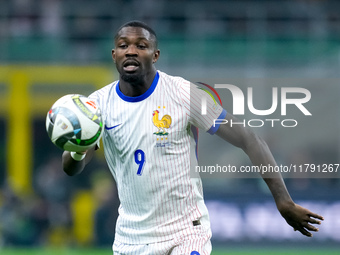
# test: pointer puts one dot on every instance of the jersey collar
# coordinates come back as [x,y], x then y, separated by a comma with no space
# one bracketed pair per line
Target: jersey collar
[141,97]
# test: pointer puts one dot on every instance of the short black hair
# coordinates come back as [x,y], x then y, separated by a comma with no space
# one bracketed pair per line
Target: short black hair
[137,23]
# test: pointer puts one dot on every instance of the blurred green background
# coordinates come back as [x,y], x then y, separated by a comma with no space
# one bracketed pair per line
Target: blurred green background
[49,48]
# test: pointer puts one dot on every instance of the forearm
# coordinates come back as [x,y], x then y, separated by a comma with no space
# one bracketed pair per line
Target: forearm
[260,154]
[279,192]
[70,166]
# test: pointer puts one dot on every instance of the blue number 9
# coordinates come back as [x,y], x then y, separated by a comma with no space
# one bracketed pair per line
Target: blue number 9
[140,161]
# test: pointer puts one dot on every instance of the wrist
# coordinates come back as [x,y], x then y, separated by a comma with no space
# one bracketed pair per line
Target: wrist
[284,206]
[77,156]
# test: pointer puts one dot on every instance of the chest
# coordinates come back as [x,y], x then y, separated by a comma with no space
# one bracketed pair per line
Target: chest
[156,122]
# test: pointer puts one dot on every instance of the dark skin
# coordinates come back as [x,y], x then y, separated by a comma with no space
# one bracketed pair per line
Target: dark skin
[135,54]
[258,152]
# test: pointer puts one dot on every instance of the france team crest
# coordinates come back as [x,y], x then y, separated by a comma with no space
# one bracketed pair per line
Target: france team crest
[162,123]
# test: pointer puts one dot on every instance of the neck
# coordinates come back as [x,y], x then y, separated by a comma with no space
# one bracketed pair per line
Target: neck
[138,87]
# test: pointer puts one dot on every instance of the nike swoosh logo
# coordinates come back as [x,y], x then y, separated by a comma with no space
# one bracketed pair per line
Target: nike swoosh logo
[108,128]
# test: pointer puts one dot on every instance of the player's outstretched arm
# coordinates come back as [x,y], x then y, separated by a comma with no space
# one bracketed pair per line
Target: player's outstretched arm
[71,166]
[259,154]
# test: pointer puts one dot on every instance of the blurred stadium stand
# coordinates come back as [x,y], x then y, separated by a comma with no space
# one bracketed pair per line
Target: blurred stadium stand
[81,31]
[212,41]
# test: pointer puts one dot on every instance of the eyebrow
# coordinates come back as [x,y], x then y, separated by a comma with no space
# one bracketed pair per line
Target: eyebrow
[150,41]
[139,38]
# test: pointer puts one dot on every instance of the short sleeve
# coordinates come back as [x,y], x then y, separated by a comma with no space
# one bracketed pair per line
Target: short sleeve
[100,97]
[203,109]
[94,97]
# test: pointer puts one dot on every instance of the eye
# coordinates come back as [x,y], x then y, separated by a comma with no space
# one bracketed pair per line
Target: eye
[122,46]
[141,46]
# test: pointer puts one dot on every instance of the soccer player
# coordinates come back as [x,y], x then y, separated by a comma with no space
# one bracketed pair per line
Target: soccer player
[149,144]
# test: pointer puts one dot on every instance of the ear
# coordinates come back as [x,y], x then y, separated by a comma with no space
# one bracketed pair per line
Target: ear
[156,56]
[113,55]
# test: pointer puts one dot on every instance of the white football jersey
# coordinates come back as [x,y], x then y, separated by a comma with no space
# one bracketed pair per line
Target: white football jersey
[150,144]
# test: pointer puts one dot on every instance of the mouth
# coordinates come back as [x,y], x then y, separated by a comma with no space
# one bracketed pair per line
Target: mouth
[130,65]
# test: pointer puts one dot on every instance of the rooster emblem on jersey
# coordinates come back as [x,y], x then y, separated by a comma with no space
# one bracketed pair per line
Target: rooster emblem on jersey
[162,123]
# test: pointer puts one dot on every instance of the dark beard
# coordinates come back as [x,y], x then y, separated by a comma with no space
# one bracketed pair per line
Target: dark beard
[132,79]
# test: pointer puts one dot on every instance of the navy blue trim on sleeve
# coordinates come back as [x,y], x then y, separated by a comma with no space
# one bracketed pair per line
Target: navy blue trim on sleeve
[213,128]
[141,97]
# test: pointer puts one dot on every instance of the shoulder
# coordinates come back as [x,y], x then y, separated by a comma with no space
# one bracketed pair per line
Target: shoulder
[104,91]
[102,95]
[174,84]
[172,80]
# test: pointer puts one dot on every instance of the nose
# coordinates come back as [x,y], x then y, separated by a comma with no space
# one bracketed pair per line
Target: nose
[131,51]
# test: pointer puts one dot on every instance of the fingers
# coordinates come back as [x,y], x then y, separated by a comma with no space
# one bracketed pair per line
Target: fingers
[317,216]
[301,219]
[310,227]
[312,217]
[305,227]
[311,214]
[303,230]
[314,221]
